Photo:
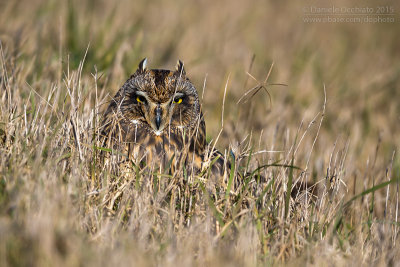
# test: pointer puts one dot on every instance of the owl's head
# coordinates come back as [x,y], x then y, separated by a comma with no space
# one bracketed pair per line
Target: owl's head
[160,99]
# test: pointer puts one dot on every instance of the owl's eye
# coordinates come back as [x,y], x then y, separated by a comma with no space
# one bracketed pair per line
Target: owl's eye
[178,100]
[140,99]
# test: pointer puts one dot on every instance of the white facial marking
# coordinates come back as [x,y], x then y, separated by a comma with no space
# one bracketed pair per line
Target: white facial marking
[158,133]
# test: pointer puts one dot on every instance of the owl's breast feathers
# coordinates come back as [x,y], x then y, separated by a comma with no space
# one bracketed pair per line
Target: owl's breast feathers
[174,147]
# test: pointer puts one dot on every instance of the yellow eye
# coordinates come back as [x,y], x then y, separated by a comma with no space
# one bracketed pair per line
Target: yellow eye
[178,100]
[140,99]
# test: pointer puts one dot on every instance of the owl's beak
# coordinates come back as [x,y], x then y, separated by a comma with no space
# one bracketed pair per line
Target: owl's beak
[158,117]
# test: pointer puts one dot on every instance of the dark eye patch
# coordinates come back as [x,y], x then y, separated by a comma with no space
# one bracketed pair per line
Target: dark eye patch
[140,99]
[179,99]
[135,98]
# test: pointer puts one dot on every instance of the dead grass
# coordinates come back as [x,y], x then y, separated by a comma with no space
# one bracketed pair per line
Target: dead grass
[334,125]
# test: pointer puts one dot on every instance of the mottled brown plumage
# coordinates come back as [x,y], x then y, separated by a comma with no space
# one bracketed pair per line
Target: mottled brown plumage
[156,119]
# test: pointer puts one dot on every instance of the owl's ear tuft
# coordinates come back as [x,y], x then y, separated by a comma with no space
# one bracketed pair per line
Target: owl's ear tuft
[142,65]
[179,67]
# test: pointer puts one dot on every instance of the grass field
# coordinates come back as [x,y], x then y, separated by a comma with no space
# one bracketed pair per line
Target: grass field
[326,115]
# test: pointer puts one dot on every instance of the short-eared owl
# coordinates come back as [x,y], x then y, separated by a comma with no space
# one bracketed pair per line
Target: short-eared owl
[156,119]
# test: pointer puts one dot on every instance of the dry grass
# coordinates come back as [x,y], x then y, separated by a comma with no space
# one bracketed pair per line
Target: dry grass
[335,124]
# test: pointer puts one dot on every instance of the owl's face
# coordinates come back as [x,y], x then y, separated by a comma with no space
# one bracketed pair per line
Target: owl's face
[160,99]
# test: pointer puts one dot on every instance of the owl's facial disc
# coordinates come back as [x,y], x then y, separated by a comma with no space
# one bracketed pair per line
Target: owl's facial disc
[158,115]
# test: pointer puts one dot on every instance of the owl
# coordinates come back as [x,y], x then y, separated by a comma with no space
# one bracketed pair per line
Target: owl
[156,120]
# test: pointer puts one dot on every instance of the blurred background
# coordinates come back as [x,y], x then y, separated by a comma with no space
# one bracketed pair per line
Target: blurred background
[220,42]
[54,206]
